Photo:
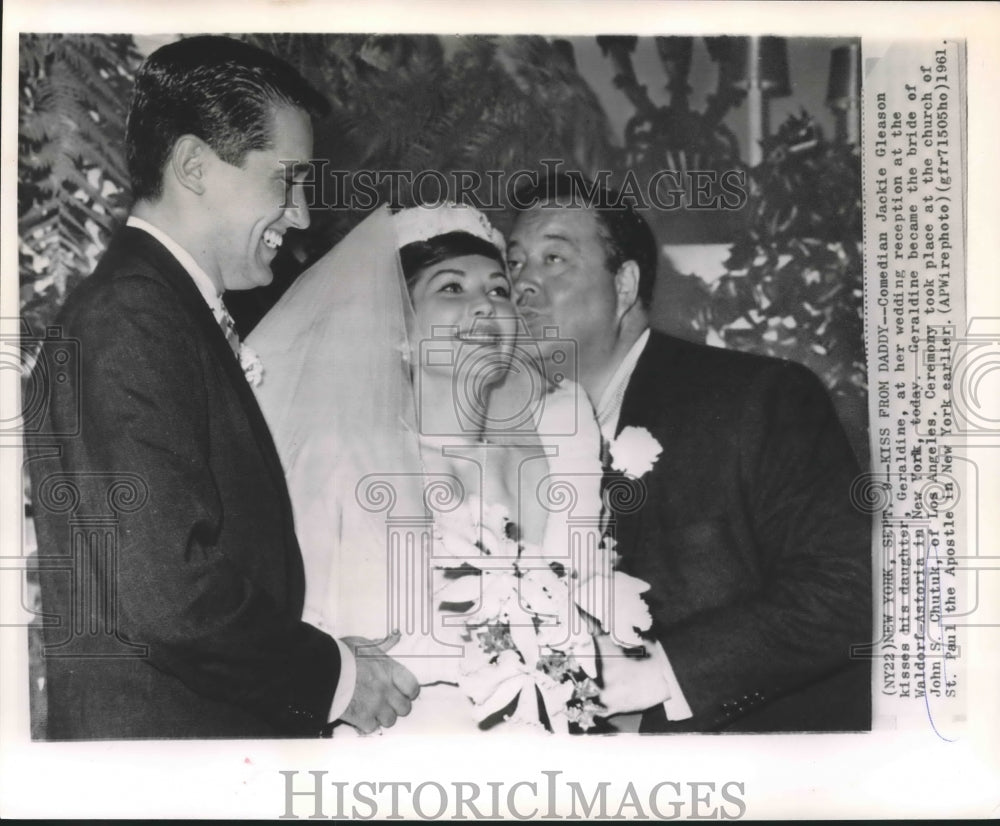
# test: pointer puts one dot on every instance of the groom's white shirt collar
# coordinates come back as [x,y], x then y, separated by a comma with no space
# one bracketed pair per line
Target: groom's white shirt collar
[609,408]
[348,667]
[185,259]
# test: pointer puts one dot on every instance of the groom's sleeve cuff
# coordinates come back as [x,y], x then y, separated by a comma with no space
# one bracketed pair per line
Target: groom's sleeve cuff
[675,705]
[345,685]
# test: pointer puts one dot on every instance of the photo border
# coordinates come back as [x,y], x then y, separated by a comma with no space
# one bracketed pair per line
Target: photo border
[881,774]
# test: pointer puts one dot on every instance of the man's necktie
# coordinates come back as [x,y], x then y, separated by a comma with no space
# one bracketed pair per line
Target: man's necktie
[228,328]
[606,477]
[605,453]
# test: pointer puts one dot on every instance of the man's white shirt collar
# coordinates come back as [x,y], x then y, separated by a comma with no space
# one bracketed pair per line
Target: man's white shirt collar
[609,408]
[186,260]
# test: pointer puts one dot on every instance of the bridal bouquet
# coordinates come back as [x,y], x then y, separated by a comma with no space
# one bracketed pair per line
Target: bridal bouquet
[527,619]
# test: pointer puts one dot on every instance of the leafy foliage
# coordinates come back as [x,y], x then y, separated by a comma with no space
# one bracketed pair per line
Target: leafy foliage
[414,103]
[793,285]
[72,182]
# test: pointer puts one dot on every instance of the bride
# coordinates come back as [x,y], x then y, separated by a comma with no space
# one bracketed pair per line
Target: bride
[441,486]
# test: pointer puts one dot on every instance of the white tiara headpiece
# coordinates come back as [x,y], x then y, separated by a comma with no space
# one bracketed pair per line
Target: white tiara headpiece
[421,223]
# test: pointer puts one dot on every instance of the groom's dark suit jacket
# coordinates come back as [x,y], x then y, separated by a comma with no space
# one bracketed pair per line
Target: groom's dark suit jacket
[759,565]
[207,584]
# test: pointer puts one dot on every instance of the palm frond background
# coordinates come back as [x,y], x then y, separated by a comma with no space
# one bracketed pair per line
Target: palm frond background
[72,182]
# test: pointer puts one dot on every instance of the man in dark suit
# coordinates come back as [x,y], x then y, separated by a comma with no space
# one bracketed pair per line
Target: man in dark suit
[171,577]
[758,563]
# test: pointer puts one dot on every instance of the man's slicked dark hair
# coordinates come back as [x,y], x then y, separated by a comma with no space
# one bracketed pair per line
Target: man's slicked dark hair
[216,88]
[625,234]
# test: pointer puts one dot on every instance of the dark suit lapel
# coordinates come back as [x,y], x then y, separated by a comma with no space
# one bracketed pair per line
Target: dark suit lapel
[178,279]
[642,407]
[645,389]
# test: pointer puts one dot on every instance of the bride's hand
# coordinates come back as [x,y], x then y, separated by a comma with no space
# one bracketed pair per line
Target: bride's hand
[629,683]
[383,689]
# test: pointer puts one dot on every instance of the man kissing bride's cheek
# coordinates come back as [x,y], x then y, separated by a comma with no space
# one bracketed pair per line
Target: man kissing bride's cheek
[430,457]
[546,513]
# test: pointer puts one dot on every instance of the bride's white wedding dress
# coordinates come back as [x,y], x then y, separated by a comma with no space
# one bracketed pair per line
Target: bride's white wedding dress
[390,523]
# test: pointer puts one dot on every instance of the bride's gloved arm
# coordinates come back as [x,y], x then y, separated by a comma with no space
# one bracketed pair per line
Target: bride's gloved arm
[675,706]
[633,683]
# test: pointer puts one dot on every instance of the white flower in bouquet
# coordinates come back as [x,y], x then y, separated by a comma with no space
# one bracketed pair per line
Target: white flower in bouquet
[527,620]
[613,598]
[634,452]
[492,682]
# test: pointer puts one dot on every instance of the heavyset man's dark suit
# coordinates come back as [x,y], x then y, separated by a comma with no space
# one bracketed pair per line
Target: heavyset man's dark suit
[209,573]
[759,564]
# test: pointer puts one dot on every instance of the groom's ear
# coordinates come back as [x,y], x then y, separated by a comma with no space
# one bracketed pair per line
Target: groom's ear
[187,163]
[626,288]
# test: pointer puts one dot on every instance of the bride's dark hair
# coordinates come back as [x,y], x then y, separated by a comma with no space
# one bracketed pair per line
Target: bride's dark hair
[418,255]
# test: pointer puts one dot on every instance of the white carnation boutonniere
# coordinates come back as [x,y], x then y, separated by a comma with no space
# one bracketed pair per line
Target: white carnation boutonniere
[634,452]
[252,366]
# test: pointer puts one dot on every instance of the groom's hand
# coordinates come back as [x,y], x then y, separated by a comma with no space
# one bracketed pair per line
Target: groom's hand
[383,689]
[629,683]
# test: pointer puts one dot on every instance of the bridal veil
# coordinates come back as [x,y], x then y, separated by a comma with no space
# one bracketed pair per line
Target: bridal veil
[337,395]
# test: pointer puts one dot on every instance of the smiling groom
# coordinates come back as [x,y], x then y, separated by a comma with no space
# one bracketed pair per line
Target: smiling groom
[208,580]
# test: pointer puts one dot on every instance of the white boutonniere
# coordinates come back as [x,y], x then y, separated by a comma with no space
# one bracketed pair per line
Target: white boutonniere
[252,366]
[634,452]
